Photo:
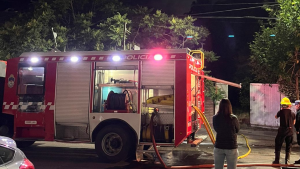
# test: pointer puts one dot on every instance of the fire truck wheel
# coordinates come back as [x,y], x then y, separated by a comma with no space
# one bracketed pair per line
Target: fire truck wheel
[113,144]
[23,144]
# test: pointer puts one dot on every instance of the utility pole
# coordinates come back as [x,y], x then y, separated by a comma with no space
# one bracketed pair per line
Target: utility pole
[124,37]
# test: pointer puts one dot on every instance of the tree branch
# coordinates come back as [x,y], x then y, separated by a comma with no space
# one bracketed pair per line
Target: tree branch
[72,9]
[136,33]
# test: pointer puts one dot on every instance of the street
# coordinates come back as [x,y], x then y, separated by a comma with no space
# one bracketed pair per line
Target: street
[56,155]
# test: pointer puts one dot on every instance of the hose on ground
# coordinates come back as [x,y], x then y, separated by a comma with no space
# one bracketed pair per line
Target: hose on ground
[209,165]
[211,134]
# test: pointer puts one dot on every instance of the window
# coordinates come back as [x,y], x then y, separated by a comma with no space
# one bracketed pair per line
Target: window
[161,97]
[31,80]
[6,155]
[115,88]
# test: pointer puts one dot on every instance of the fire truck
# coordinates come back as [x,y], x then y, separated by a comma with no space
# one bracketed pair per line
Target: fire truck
[105,97]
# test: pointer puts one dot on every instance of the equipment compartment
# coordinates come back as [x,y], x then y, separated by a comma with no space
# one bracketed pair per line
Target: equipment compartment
[161,97]
[115,88]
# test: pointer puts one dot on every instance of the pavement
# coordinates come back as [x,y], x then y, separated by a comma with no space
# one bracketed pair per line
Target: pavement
[256,136]
[261,141]
[55,155]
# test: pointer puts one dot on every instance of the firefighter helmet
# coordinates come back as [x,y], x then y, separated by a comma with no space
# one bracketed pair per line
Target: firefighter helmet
[285,101]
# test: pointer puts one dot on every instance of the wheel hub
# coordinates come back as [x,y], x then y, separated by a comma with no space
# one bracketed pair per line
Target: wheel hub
[112,144]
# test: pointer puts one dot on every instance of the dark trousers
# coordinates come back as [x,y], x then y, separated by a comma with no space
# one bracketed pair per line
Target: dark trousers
[283,135]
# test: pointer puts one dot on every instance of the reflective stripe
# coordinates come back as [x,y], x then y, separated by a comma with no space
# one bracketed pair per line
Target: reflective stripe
[24,105]
[52,107]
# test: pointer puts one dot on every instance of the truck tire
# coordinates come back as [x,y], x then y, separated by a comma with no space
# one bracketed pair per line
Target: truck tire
[113,144]
[24,144]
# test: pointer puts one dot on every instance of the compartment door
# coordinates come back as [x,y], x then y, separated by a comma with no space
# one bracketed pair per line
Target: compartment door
[72,100]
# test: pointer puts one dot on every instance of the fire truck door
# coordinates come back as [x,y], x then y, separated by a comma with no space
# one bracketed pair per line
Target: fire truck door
[72,100]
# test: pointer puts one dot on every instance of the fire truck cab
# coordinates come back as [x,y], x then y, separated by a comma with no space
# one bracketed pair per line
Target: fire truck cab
[106,97]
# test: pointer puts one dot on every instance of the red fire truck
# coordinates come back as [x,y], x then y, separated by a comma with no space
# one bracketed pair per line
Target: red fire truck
[105,97]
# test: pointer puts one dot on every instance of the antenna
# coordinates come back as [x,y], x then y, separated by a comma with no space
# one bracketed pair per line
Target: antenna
[55,36]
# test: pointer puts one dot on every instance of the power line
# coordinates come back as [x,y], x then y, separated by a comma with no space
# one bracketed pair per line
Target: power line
[235,17]
[230,10]
[231,4]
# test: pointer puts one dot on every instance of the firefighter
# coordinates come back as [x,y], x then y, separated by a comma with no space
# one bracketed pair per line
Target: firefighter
[297,124]
[285,130]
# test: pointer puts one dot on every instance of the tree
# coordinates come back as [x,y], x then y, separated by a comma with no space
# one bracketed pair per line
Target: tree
[275,50]
[160,30]
[211,90]
[96,25]
[75,22]
[113,28]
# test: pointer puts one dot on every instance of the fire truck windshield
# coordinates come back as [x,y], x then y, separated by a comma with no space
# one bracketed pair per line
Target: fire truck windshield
[31,80]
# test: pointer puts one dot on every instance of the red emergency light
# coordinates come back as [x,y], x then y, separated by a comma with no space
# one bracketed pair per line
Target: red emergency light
[158,57]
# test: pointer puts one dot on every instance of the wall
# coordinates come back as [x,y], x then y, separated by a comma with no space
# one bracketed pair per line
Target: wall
[264,104]
[209,110]
[223,87]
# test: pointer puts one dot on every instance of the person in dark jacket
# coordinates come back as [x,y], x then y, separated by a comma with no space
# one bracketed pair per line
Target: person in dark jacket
[297,124]
[285,130]
[227,126]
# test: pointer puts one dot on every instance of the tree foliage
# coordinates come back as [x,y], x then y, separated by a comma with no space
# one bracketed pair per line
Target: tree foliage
[275,50]
[213,92]
[95,25]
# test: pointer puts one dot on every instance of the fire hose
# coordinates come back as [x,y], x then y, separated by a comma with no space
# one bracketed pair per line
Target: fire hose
[211,135]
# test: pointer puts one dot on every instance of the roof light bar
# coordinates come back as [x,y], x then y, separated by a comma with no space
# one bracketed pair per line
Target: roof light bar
[74,59]
[116,58]
[158,57]
[34,59]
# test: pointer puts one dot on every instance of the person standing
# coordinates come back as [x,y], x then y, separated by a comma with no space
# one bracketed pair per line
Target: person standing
[227,126]
[285,130]
[297,124]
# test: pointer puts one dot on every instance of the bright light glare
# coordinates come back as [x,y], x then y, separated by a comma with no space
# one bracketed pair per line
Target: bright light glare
[158,57]
[116,58]
[34,60]
[74,59]
[30,68]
